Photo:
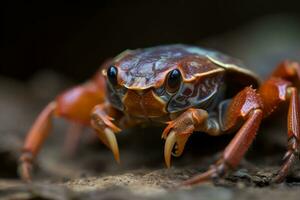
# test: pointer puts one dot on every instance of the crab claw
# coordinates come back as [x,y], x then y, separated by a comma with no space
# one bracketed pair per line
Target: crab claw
[106,129]
[112,143]
[108,137]
[174,140]
[169,145]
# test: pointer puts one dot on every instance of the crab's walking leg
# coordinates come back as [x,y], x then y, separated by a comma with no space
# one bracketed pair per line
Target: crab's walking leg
[279,88]
[37,134]
[74,104]
[245,108]
[293,135]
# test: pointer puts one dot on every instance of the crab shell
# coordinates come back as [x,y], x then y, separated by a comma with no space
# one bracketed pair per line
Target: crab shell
[207,77]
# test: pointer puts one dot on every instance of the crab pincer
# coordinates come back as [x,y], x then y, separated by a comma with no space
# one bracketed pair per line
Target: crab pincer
[179,130]
[105,129]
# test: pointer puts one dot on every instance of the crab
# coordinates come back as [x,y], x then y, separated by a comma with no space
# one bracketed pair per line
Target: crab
[186,88]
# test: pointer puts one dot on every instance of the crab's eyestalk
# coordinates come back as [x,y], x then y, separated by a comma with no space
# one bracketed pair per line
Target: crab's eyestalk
[173,81]
[112,75]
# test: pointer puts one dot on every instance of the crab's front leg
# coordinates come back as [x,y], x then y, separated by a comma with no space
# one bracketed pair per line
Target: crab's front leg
[246,109]
[74,104]
[103,119]
[179,130]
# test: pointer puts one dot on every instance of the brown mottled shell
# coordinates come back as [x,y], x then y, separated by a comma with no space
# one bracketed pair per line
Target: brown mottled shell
[144,68]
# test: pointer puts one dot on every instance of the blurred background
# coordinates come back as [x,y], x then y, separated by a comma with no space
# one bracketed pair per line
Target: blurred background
[73,37]
[47,47]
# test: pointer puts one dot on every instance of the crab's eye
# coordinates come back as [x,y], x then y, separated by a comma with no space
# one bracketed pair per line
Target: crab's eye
[112,74]
[173,81]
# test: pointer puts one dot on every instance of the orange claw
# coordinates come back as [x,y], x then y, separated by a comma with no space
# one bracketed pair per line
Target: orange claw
[74,104]
[179,130]
[106,130]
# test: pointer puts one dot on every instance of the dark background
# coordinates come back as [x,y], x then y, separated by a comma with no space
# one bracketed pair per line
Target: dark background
[74,37]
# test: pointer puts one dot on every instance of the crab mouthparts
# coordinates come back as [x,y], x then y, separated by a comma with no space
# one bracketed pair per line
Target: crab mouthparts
[144,104]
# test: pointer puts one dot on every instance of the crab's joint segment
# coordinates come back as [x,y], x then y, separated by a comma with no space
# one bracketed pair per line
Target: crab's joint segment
[25,166]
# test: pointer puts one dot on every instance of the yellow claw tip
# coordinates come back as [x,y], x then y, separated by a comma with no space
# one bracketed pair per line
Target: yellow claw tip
[170,142]
[112,143]
[168,164]
[117,158]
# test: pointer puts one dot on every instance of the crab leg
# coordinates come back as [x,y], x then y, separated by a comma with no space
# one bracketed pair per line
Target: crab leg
[273,92]
[293,136]
[246,108]
[74,104]
[34,140]
[102,123]
[179,130]
[277,89]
